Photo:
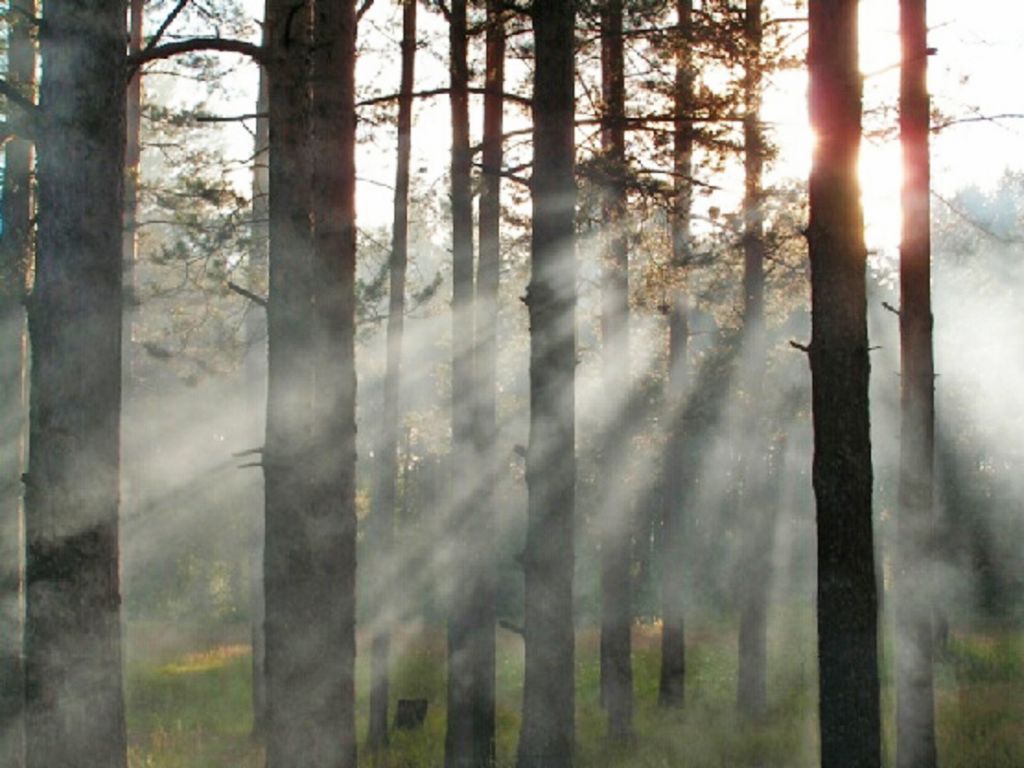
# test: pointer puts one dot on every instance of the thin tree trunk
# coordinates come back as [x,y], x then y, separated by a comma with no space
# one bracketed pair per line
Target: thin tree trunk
[915,698]
[615,520]
[132,159]
[751,687]
[15,258]
[672,680]
[256,382]
[546,740]
[461,751]
[384,499]
[847,597]
[75,704]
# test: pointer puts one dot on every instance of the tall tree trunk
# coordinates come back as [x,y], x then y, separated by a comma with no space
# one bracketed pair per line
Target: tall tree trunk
[75,705]
[546,740]
[384,499]
[132,160]
[15,257]
[616,516]
[751,687]
[309,455]
[461,749]
[672,680]
[915,698]
[256,383]
[847,597]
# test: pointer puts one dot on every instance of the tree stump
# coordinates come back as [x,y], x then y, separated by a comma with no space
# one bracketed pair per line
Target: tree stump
[410,714]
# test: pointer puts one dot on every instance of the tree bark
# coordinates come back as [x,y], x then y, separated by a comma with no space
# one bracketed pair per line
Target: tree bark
[847,597]
[751,686]
[132,160]
[15,257]
[546,740]
[384,499]
[74,700]
[672,679]
[616,514]
[309,455]
[465,643]
[915,698]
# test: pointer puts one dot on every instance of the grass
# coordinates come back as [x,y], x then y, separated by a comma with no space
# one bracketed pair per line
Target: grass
[192,710]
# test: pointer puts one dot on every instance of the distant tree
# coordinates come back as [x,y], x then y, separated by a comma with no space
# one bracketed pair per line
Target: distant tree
[16,252]
[548,560]
[915,698]
[617,509]
[384,497]
[847,598]
[671,686]
[75,704]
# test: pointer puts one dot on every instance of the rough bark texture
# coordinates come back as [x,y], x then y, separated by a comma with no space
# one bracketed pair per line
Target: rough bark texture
[74,700]
[385,497]
[616,514]
[256,386]
[751,686]
[15,257]
[915,698]
[546,740]
[672,679]
[847,598]
[309,458]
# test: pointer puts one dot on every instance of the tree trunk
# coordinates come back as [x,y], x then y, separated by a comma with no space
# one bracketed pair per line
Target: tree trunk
[256,383]
[751,687]
[309,455]
[132,160]
[616,514]
[15,258]
[465,643]
[915,699]
[75,705]
[672,681]
[384,499]
[546,740]
[847,597]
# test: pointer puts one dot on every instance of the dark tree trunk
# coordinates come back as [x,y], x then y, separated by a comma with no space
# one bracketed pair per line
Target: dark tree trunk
[915,698]
[751,687]
[546,740]
[672,681]
[75,705]
[616,513]
[15,258]
[847,597]
[465,643]
[384,499]
[256,383]
[309,458]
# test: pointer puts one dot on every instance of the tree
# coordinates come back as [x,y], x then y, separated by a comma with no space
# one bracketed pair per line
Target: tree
[74,700]
[546,739]
[847,598]
[15,258]
[751,686]
[309,454]
[464,626]
[384,497]
[672,678]
[616,530]
[915,699]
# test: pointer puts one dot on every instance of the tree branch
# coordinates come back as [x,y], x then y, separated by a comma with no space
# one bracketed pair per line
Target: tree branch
[256,299]
[166,24]
[367,4]
[13,95]
[194,45]
[522,100]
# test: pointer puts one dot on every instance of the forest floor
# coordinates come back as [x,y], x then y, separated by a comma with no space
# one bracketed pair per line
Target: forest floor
[192,709]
